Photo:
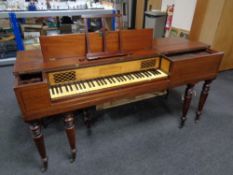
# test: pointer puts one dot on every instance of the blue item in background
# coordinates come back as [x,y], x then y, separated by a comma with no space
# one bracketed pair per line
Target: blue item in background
[32,6]
[16,30]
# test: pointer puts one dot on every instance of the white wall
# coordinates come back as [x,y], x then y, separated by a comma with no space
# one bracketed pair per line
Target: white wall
[183,13]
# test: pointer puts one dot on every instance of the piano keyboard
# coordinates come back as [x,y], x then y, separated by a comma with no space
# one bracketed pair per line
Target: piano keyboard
[87,86]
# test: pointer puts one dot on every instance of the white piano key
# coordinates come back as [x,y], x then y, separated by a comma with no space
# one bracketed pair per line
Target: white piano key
[114,81]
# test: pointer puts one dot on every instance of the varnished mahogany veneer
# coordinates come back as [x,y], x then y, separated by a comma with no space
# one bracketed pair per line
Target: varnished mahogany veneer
[63,46]
[184,61]
[177,45]
[183,70]
[112,41]
[195,67]
[136,39]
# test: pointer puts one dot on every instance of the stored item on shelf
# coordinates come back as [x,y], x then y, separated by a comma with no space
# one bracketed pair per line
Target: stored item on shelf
[8,49]
[65,28]
[3,5]
[25,27]
[5,24]
[6,37]
[52,32]
[31,35]
[32,46]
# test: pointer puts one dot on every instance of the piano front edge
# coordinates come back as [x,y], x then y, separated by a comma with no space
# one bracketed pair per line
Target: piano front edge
[35,102]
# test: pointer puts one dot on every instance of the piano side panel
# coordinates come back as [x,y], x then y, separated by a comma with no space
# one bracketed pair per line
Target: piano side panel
[32,98]
[165,65]
[189,70]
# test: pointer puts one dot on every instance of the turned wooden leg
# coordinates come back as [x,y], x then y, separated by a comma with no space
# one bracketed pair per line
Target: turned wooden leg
[87,118]
[167,94]
[70,132]
[186,103]
[203,97]
[39,141]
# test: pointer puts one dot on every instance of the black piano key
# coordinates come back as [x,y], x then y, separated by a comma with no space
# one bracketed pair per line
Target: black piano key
[158,72]
[56,89]
[131,76]
[143,76]
[139,76]
[59,86]
[118,79]
[124,78]
[98,82]
[83,85]
[66,86]
[89,84]
[52,90]
[113,80]
[135,75]
[109,80]
[92,83]
[79,85]
[70,87]
[105,81]
[152,72]
[101,82]
[146,74]
[76,86]
[128,76]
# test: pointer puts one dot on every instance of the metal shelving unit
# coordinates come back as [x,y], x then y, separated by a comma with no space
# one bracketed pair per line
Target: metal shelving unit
[13,15]
[44,13]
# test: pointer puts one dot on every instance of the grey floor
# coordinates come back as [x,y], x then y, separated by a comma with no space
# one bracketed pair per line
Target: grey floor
[142,138]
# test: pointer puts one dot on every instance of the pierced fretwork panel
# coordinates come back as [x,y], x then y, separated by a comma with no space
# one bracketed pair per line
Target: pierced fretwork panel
[148,64]
[64,77]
